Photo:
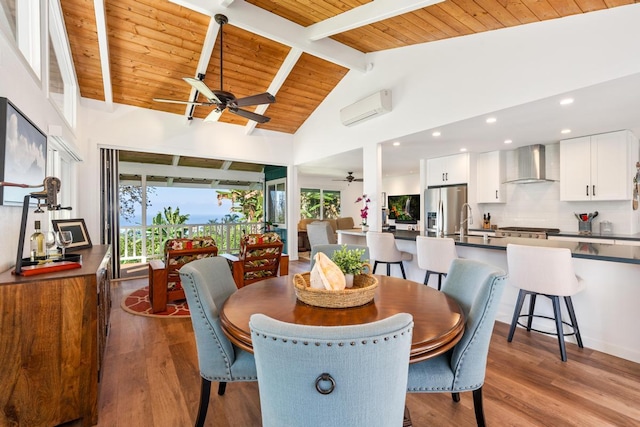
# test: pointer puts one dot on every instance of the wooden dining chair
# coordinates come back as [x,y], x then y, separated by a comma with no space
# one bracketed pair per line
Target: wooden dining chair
[332,375]
[477,287]
[164,280]
[260,257]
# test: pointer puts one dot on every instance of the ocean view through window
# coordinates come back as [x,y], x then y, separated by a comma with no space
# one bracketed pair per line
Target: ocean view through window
[201,204]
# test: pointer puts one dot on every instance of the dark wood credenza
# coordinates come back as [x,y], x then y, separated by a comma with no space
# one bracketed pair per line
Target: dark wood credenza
[53,330]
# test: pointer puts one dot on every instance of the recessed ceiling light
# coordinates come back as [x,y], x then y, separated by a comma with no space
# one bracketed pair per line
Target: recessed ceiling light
[395,144]
[436,133]
[463,149]
[565,131]
[566,101]
[508,141]
[491,120]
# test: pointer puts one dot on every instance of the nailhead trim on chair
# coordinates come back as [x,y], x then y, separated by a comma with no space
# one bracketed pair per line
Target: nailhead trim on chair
[328,344]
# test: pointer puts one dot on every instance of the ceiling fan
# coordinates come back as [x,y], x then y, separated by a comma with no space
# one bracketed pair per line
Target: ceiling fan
[350,178]
[220,98]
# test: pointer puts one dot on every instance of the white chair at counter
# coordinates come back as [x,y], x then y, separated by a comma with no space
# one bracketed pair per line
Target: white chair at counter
[548,272]
[435,254]
[383,250]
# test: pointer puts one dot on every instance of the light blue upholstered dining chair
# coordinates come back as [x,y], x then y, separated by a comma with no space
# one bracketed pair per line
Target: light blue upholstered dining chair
[332,375]
[207,284]
[477,287]
[328,250]
[320,233]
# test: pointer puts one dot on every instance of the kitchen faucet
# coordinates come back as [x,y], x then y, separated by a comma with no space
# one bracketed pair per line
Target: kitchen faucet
[468,218]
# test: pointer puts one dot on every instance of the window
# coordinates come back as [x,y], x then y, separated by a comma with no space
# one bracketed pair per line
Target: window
[277,202]
[23,18]
[330,204]
[61,78]
[318,203]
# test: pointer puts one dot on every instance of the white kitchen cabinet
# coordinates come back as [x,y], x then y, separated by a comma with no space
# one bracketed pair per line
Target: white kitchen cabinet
[491,169]
[598,167]
[448,170]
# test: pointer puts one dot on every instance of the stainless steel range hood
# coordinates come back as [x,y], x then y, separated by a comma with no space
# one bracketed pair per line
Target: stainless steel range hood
[528,165]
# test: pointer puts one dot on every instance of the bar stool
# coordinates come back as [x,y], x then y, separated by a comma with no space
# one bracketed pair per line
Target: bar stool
[383,249]
[435,255]
[548,272]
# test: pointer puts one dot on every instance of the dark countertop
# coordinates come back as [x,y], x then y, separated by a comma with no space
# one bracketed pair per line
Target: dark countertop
[406,234]
[595,235]
[595,251]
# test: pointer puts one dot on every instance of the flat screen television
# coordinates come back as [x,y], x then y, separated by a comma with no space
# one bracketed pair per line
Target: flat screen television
[404,209]
[23,153]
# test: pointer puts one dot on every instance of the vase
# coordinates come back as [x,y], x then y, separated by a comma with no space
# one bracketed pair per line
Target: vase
[349,280]
[365,227]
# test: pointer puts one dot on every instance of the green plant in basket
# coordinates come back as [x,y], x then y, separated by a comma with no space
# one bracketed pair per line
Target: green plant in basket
[349,260]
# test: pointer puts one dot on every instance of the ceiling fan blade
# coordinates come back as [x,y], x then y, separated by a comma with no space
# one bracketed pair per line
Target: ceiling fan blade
[213,116]
[250,115]
[203,89]
[173,101]
[358,180]
[262,98]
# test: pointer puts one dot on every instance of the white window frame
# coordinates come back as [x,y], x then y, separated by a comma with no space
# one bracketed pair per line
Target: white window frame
[276,182]
[61,163]
[58,36]
[29,33]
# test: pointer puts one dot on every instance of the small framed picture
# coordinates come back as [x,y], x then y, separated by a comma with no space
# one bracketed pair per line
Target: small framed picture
[78,229]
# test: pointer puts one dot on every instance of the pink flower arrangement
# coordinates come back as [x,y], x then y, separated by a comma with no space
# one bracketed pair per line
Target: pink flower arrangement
[364,212]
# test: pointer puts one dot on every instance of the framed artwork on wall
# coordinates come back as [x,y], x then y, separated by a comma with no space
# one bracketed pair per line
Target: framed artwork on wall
[23,154]
[78,228]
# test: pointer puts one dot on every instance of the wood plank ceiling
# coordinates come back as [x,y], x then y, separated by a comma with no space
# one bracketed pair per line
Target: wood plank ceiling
[153,44]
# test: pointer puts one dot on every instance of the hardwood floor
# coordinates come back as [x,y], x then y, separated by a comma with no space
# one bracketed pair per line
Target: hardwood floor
[151,378]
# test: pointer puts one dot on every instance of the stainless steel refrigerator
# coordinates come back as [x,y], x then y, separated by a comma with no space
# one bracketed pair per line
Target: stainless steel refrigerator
[443,207]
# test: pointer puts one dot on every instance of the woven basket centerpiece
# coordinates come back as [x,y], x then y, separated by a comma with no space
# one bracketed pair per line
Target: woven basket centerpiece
[362,292]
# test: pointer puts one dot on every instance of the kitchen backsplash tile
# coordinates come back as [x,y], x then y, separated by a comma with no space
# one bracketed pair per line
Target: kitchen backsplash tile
[539,205]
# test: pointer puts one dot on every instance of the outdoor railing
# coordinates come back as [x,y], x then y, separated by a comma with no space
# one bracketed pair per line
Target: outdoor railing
[140,244]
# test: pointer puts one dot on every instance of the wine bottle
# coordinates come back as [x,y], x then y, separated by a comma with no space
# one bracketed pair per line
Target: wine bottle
[37,244]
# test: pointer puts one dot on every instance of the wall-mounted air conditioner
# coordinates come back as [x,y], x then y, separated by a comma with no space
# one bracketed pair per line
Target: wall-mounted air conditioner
[372,106]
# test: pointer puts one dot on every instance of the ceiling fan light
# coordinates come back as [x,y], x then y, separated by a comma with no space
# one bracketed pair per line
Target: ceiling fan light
[213,116]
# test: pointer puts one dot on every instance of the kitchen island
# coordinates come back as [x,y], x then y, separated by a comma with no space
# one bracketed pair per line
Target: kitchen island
[606,310]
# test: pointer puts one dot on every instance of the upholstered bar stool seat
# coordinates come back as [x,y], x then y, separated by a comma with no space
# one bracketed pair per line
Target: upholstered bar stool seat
[548,272]
[435,255]
[383,250]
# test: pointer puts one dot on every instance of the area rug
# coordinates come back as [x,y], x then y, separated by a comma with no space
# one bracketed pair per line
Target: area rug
[137,302]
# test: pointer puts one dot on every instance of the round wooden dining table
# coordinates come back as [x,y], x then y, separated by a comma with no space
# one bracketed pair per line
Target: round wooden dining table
[438,319]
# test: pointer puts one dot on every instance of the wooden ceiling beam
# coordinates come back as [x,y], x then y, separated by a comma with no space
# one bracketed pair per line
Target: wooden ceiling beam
[259,21]
[363,15]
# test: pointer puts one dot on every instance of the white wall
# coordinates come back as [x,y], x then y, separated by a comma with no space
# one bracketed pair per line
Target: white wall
[446,81]
[131,128]
[20,85]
